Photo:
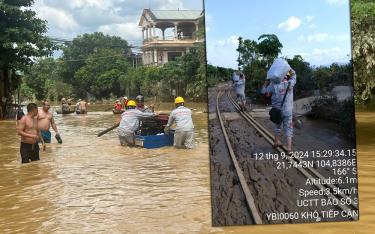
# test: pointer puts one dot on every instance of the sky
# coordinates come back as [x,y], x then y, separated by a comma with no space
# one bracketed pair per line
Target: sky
[70,18]
[319,30]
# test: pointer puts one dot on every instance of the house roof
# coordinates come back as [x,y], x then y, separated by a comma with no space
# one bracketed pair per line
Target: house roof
[171,15]
[176,14]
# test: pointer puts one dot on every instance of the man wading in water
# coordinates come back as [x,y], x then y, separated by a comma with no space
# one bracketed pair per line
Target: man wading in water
[184,131]
[28,130]
[81,107]
[45,121]
[129,123]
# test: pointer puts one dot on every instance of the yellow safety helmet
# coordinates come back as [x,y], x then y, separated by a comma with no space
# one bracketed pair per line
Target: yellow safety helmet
[179,100]
[290,73]
[131,103]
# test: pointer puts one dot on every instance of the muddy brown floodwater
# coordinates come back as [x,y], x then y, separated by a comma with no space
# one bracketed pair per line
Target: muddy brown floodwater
[90,184]
[93,185]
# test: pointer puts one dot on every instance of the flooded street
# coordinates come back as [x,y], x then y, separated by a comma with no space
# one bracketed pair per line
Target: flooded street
[91,184]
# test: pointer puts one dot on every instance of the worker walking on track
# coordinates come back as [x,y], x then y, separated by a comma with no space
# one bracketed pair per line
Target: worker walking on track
[239,81]
[184,131]
[282,90]
[129,123]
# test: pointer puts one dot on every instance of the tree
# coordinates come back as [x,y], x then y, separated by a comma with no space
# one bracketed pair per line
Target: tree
[248,52]
[255,58]
[22,38]
[304,76]
[38,76]
[43,82]
[269,47]
[84,48]
[102,72]
[216,75]
[21,34]
[363,44]
[321,77]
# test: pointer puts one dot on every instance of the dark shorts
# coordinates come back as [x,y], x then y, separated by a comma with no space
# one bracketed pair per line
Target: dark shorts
[46,136]
[29,152]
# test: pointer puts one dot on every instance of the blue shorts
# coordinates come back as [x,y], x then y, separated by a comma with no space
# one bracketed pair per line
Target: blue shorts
[46,136]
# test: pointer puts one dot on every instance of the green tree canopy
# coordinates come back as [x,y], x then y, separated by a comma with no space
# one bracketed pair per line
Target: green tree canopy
[43,81]
[363,43]
[101,74]
[269,47]
[22,34]
[84,49]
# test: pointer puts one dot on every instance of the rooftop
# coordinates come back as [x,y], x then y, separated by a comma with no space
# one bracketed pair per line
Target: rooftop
[176,14]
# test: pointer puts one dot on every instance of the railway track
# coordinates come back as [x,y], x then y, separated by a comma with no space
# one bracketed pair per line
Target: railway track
[308,172]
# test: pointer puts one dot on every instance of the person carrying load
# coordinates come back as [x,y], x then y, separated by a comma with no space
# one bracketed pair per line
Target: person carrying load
[129,123]
[239,81]
[279,84]
[184,131]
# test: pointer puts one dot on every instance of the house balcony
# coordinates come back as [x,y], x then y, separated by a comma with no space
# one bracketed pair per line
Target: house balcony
[170,41]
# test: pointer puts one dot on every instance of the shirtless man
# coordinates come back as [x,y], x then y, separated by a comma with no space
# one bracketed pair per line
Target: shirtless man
[82,106]
[45,121]
[28,130]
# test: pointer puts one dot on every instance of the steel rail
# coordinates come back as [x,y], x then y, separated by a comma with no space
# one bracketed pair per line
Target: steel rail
[245,188]
[282,149]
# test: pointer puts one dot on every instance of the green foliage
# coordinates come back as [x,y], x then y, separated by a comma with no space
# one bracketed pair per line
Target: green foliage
[82,51]
[43,81]
[216,75]
[304,73]
[39,75]
[26,93]
[363,44]
[248,52]
[255,58]
[265,50]
[102,72]
[186,75]
[21,34]
[269,47]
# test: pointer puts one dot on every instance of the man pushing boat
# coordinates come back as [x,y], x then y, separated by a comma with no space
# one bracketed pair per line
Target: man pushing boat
[129,123]
[184,131]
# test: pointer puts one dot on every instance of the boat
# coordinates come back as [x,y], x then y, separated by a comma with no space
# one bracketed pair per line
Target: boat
[154,141]
[61,112]
[151,134]
[117,112]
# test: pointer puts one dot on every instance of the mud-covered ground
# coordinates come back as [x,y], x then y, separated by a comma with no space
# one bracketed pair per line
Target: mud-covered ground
[274,190]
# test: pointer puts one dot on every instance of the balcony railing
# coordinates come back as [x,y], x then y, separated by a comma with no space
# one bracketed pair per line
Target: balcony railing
[169,39]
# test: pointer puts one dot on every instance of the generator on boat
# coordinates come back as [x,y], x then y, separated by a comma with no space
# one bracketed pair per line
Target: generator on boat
[151,132]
